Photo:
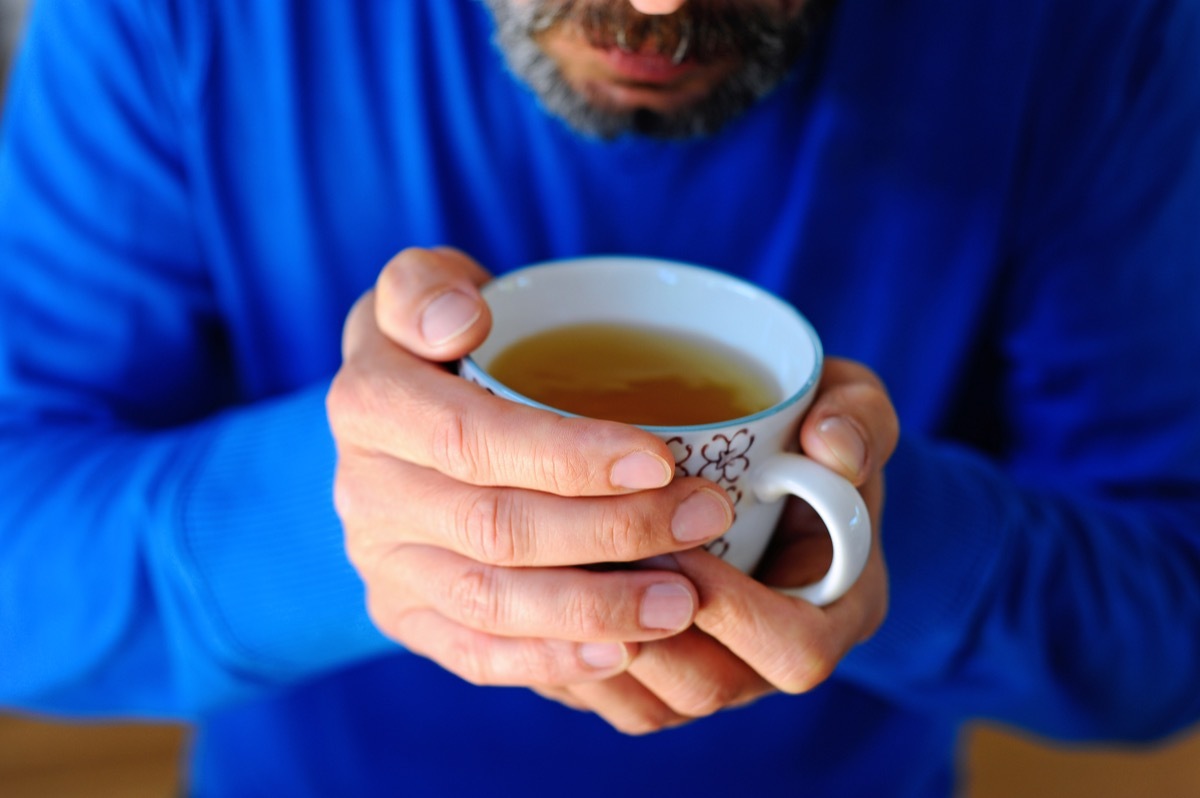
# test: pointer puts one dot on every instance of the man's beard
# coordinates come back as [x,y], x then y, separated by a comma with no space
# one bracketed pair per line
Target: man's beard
[766,43]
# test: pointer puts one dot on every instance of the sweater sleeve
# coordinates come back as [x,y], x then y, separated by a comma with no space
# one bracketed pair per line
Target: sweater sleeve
[1054,584]
[163,550]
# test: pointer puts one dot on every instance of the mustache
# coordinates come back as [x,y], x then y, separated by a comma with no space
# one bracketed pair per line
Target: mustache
[701,31]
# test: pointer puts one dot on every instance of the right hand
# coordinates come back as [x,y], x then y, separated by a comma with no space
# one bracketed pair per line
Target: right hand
[466,514]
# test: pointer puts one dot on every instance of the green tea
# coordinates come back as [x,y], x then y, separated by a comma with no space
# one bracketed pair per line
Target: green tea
[637,375]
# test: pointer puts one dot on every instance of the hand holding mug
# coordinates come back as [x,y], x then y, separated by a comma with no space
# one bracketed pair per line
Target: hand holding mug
[647,341]
[748,640]
[444,489]
[461,511]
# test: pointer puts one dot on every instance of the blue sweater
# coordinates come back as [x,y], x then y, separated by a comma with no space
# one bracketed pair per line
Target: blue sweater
[994,204]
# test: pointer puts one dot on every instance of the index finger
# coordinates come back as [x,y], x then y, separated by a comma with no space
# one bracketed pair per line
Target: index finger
[389,401]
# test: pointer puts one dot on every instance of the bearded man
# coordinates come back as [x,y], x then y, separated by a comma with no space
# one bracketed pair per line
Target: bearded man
[242,241]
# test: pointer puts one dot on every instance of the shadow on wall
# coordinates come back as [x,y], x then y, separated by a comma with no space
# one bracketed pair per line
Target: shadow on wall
[12,17]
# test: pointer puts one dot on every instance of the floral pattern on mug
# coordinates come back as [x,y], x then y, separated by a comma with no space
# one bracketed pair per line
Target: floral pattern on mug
[724,460]
[725,457]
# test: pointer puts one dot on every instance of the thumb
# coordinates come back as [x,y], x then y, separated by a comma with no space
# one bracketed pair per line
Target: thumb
[427,301]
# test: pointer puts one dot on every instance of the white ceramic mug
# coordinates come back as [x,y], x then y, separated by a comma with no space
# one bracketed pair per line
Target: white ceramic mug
[752,458]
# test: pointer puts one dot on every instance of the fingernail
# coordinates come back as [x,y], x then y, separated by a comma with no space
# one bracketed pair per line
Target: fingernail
[641,471]
[602,656]
[449,316]
[667,606]
[845,442]
[701,516]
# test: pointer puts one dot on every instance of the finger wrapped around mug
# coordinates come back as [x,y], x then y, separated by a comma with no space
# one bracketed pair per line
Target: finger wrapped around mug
[670,683]
[688,336]
[387,401]
[519,626]
[792,644]
[385,502]
[575,604]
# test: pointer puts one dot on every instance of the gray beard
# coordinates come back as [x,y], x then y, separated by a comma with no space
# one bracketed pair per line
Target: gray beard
[767,43]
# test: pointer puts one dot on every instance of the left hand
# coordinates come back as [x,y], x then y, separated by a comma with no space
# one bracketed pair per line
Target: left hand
[748,639]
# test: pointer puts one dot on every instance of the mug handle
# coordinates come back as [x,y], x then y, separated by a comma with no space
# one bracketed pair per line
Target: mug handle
[840,507]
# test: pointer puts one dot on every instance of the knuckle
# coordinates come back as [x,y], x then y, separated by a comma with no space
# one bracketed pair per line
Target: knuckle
[336,399]
[489,528]
[473,598]
[357,399]
[348,500]
[730,618]
[803,668]
[356,502]
[794,667]
[467,657]
[404,276]
[566,470]
[564,476]
[536,663]
[393,275]
[874,396]
[363,548]
[386,616]
[343,401]
[481,663]
[624,532]
[701,698]
[455,447]
[590,616]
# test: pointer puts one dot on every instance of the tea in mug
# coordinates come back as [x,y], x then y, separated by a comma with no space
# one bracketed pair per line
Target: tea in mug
[636,375]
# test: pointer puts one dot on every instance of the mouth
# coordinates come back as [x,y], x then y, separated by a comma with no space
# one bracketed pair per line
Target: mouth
[649,69]
[647,80]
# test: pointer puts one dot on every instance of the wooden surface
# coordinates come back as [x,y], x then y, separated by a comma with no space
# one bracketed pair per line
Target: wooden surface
[1004,765]
[43,760]
[50,760]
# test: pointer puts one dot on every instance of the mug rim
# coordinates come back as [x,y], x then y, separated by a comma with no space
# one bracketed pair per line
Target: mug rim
[810,382]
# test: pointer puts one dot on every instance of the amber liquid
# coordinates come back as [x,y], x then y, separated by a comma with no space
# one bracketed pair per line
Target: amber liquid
[637,375]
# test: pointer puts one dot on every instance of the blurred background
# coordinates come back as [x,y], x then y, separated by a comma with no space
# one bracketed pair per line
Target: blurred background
[41,757]
[11,14]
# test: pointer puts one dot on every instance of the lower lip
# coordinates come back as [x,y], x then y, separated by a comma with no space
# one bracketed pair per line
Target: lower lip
[645,68]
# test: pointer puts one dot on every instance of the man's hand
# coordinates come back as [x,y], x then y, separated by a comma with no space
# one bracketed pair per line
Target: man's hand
[749,640]
[467,515]
[469,518]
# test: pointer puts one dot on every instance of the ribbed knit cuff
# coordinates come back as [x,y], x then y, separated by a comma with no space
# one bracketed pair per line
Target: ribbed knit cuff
[261,547]
[943,532]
